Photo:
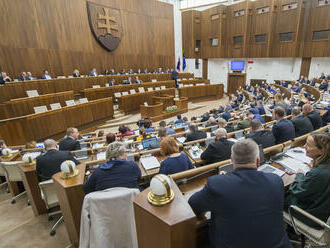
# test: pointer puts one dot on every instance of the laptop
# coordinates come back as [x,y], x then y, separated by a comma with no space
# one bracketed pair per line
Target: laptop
[148,143]
[40,145]
[239,135]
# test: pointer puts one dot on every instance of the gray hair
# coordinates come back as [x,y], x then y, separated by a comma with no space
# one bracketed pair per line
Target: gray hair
[221,133]
[245,151]
[49,144]
[115,150]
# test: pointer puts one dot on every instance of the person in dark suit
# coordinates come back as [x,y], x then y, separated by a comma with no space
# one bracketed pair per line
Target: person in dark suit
[324,85]
[50,162]
[241,210]
[260,135]
[70,142]
[93,73]
[195,134]
[29,76]
[283,129]
[261,108]
[313,115]
[322,76]
[291,106]
[302,124]
[137,80]
[116,172]
[223,124]
[112,82]
[22,76]
[46,75]
[76,73]
[175,76]
[226,115]
[4,78]
[128,81]
[220,149]
[253,109]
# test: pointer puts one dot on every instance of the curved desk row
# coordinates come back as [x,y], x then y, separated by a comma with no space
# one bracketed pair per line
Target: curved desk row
[38,127]
[208,91]
[13,90]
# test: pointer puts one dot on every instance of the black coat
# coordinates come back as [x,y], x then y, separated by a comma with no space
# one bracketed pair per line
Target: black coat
[69,144]
[195,135]
[262,137]
[49,163]
[217,151]
[315,119]
[302,125]
[283,131]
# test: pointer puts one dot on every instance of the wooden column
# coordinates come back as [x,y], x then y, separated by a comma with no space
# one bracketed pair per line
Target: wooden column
[305,66]
[205,68]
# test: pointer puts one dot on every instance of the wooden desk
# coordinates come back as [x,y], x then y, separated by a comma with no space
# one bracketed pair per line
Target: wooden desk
[205,92]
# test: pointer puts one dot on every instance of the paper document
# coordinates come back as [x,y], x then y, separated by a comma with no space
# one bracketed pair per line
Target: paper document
[195,152]
[181,139]
[267,168]
[293,164]
[299,154]
[149,163]
[100,156]
[97,145]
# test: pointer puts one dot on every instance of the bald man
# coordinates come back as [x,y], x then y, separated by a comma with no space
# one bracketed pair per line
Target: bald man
[313,115]
[220,149]
[50,162]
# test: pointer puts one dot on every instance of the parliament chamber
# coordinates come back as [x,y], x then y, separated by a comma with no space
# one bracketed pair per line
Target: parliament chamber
[165,123]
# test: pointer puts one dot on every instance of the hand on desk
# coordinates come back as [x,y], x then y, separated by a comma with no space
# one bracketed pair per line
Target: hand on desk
[222,172]
[300,171]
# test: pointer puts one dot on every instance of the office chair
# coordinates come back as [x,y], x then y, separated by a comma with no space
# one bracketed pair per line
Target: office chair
[3,174]
[13,174]
[315,237]
[48,194]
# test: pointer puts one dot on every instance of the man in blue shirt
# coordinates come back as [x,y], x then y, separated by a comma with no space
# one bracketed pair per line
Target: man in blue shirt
[283,130]
[168,129]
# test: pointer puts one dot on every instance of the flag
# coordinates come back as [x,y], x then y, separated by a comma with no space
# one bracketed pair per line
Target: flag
[183,62]
[178,65]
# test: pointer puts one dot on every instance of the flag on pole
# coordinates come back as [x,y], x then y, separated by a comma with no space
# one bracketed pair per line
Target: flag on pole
[178,65]
[183,62]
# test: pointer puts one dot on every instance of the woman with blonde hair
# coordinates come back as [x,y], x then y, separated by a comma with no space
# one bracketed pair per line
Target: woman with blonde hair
[311,191]
[175,161]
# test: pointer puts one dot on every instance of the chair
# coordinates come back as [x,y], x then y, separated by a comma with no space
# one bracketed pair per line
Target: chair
[3,174]
[48,194]
[314,236]
[107,219]
[13,174]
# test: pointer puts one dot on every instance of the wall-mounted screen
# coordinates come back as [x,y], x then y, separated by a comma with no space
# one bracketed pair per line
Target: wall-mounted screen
[237,65]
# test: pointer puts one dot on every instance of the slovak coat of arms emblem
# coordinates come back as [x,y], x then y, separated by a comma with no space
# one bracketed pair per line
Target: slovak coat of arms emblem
[105,23]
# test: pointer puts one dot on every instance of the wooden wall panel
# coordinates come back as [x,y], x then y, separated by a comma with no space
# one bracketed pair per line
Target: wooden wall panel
[55,34]
[300,17]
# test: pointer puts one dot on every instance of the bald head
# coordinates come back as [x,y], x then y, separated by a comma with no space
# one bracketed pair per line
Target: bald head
[50,144]
[307,108]
[220,133]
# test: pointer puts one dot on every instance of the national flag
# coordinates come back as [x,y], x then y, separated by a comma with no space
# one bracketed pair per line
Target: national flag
[178,65]
[183,62]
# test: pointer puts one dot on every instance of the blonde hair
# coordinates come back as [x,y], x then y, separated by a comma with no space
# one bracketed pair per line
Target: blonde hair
[168,146]
[322,142]
[115,150]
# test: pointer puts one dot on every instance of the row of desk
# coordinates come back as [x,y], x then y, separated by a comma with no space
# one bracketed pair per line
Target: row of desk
[14,90]
[208,91]
[19,130]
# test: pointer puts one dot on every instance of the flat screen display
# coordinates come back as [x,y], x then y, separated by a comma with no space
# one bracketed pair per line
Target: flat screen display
[237,65]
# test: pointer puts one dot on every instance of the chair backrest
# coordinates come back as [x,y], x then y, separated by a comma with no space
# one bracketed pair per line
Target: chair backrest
[48,193]
[110,210]
[2,171]
[13,172]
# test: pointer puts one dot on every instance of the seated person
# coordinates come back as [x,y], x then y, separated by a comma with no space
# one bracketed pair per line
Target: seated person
[143,135]
[4,78]
[254,109]
[124,131]
[185,121]
[70,141]
[261,108]
[31,145]
[93,73]
[2,146]
[100,133]
[137,80]
[291,106]
[311,191]
[29,76]
[179,119]
[260,135]
[255,116]
[283,129]
[168,129]
[22,76]
[226,115]
[116,172]
[148,125]
[301,123]
[245,121]
[313,115]
[110,138]
[324,85]
[195,134]
[211,122]
[242,211]
[162,133]
[46,75]
[223,124]
[205,117]
[128,81]
[218,150]
[112,82]
[49,163]
[175,161]
[76,73]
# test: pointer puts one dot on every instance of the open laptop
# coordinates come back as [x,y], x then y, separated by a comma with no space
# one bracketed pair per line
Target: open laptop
[149,143]
[239,135]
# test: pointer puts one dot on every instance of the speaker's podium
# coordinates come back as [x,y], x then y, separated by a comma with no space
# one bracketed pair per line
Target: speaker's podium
[170,226]
[235,80]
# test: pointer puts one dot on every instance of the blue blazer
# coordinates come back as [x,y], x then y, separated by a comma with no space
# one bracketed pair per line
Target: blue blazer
[246,209]
[257,116]
[254,111]
[261,110]
[283,131]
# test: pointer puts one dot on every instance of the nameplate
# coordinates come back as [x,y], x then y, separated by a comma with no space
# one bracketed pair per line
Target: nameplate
[153,80]
[132,91]
[141,89]
[157,88]
[40,109]
[96,86]
[125,93]
[54,106]
[163,87]
[83,100]
[32,93]
[150,89]
[70,103]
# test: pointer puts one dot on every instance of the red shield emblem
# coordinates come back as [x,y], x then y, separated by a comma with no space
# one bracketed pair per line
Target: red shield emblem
[105,23]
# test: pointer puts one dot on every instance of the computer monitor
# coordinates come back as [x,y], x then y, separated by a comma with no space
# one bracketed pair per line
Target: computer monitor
[40,145]
[147,143]
[238,135]
[178,125]
[237,65]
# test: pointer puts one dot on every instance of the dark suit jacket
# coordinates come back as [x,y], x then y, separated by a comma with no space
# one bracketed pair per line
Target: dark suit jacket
[175,75]
[69,144]
[242,212]
[283,131]
[217,151]
[262,137]
[195,135]
[49,163]
[315,119]
[302,125]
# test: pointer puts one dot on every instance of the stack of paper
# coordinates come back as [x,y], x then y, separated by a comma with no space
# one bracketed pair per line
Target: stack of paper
[267,168]
[293,164]
[195,152]
[299,154]
[150,162]
[100,156]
